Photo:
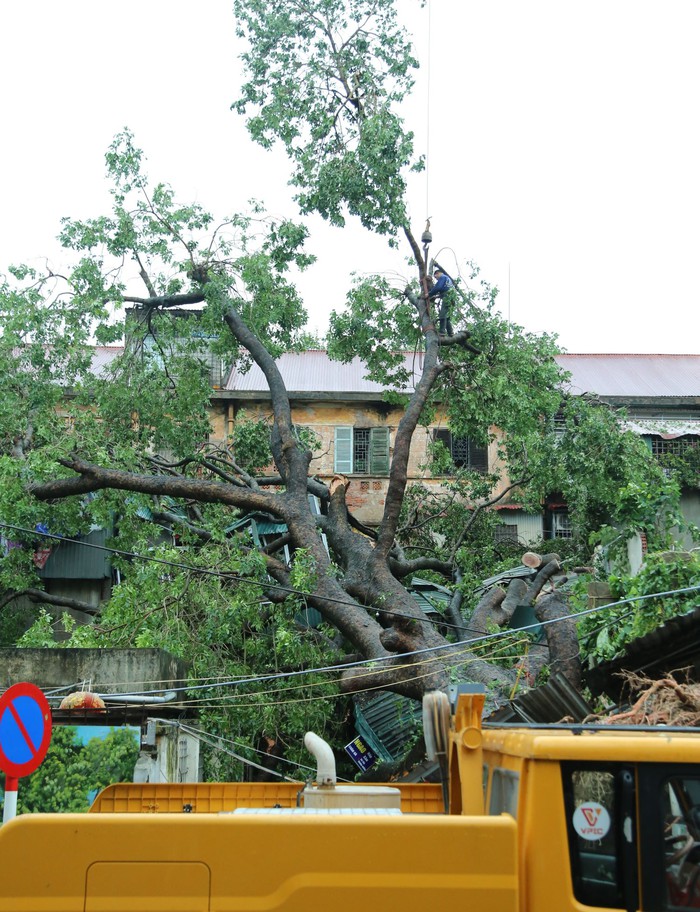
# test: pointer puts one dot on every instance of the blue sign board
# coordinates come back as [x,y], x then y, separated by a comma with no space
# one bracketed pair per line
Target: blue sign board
[361,753]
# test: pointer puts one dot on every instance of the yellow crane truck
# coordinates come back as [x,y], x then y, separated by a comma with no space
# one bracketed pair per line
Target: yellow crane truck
[528,818]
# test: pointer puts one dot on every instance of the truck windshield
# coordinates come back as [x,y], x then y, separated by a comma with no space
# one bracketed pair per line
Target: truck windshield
[681,808]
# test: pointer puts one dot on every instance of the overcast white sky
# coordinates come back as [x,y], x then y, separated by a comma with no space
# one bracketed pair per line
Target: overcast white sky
[564,150]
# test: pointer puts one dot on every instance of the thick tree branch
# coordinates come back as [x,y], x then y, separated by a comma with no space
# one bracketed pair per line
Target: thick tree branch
[291,459]
[144,276]
[561,636]
[459,338]
[398,475]
[46,598]
[92,477]
[169,520]
[546,572]
[403,568]
[176,300]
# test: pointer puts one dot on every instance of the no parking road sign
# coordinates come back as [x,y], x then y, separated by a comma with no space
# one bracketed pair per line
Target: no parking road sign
[25,735]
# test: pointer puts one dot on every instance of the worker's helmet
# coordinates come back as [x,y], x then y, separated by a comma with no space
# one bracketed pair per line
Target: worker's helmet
[437,270]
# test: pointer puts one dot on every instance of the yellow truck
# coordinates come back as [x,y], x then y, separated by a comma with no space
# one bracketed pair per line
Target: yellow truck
[528,818]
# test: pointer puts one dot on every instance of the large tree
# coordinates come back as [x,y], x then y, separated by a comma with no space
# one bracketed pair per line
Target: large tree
[326,79]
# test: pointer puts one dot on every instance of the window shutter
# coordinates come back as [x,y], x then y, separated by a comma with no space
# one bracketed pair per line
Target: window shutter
[478,457]
[379,451]
[343,451]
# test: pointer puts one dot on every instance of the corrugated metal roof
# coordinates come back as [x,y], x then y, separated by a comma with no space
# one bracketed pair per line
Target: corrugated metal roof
[634,375]
[313,371]
[551,702]
[70,560]
[426,593]
[388,723]
[614,375]
[103,356]
[663,427]
[673,645]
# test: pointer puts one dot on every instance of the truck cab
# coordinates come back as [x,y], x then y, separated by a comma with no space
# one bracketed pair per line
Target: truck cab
[607,817]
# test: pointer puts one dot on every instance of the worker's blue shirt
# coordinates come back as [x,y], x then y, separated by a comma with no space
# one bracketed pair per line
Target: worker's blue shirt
[443,284]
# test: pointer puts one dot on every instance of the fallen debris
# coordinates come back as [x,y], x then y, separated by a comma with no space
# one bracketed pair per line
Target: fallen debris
[664,701]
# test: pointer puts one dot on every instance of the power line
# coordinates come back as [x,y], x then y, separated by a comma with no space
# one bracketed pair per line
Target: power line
[214,741]
[218,574]
[425,651]
[346,665]
[372,672]
[427,116]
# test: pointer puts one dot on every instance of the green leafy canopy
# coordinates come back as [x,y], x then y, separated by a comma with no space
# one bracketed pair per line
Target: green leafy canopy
[326,79]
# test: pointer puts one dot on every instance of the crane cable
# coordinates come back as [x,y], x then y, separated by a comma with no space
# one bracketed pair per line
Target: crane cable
[427,113]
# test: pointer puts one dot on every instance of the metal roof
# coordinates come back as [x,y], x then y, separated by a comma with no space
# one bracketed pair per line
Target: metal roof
[664,427]
[633,375]
[551,702]
[70,560]
[610,376]
[673,645]
[103,356]
[314,372]
[427,593]
[388,722]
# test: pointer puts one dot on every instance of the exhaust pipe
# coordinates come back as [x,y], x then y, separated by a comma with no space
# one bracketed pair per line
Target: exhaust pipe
[325,761]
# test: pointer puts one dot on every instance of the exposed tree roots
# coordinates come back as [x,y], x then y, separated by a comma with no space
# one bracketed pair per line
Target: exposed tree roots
[664,701]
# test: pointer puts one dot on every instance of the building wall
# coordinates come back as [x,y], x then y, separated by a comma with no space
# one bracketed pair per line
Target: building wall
[366,493]
[528,526]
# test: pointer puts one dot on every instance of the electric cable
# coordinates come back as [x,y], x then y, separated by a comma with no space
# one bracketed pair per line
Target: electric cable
[199,732]
[346,665]
[427,114]
[235,700]
[429,650]
[432,649]
[218,574]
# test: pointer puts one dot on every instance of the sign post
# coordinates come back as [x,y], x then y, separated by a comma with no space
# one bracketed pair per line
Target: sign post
[25,735]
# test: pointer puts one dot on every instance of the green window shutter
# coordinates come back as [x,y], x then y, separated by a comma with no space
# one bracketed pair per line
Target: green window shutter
[342,461]
[379,451]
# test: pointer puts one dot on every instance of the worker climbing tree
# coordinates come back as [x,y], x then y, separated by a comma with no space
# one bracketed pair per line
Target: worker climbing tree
[442,292]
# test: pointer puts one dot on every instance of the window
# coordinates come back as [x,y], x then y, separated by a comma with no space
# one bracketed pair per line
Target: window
[504,792]
[676,446]
[213,366]
[361,451]
[559,425]
[681,808]
[592,797]
[506,532]
[561,524]
[465,453]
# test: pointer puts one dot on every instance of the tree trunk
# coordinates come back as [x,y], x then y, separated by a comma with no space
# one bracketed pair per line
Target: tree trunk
[484,611]
[561,636]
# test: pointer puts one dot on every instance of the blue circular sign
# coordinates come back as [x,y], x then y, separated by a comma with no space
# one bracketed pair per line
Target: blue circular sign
[25,729]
